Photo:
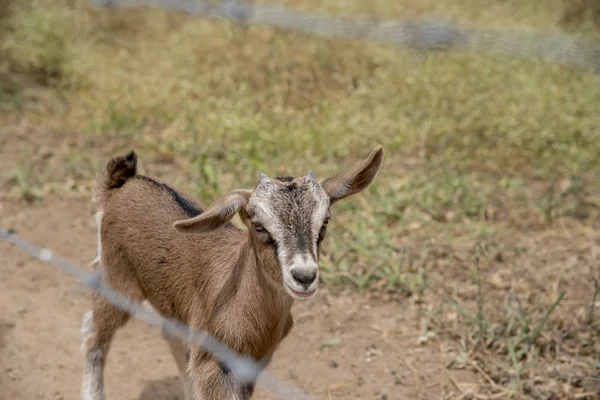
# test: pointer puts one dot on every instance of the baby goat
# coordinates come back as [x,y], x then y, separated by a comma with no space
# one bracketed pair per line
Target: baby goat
[157,245]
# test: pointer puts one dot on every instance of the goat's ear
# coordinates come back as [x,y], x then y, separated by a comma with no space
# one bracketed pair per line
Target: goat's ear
[216,215]
[355,179]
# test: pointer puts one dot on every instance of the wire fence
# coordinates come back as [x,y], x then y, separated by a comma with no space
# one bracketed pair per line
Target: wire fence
[242,368]
[423,35]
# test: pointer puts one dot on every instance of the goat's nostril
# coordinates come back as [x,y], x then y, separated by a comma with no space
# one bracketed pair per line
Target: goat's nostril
[304,277]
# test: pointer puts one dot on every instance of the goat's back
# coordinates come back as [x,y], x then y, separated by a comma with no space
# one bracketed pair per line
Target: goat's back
[137,234]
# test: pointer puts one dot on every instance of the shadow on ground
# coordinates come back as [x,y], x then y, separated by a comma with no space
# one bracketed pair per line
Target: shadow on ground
[164,389]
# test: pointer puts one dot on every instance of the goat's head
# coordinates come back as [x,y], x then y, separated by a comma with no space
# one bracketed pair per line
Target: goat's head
[289,216]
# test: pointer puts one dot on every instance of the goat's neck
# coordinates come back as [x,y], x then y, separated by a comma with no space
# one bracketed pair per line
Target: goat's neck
[250,294]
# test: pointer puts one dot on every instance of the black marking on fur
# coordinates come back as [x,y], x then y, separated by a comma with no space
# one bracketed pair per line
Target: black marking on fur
[189,208]
[273,243]
[187,356]
[224,368]
[247,390]
[120,169]
[323,230]
[322,234]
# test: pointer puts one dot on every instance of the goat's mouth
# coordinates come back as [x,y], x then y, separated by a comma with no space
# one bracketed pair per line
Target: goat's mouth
[300,294]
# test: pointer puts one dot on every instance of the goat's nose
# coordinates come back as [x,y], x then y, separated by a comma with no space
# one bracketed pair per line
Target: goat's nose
[304,276]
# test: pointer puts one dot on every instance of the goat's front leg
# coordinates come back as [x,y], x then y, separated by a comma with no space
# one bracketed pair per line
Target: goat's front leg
[211,381]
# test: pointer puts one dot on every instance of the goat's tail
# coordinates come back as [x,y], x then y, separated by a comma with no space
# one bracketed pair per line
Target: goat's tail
[118,171]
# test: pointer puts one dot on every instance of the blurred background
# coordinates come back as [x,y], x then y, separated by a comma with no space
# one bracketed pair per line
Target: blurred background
[481,229]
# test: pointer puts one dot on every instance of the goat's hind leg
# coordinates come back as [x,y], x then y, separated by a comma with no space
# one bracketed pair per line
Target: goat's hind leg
[97,330]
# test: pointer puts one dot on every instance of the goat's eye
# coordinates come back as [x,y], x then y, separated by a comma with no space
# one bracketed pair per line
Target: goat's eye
[258,227]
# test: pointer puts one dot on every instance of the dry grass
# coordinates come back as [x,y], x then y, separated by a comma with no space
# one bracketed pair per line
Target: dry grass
[582,15]
[483,153]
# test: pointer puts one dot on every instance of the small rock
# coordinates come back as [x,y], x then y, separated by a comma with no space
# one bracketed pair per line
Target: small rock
[332,364]
[384,396]
[499,257]
[393,372]
[538,380]
[372,353]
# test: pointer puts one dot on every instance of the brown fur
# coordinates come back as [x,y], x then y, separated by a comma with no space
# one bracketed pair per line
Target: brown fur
[224,281]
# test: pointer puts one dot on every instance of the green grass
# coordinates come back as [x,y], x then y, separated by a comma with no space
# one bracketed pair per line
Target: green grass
[478,148]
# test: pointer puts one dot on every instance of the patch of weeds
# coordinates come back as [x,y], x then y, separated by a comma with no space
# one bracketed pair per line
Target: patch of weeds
[506,345]
[5,6]
[21,179]
[10,94]
[203,166]
[445,194]
[80,165]
[6,12]
[581,15]
[208,187]
[365,254]
[115,120]
[362,251]
[40,41]
[330,343]
[564,197]
[592,311]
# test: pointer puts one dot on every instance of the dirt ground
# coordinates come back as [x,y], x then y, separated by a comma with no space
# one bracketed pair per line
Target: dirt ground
[41,309]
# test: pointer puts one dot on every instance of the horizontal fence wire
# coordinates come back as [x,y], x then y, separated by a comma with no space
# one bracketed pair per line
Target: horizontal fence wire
[243,368]
[422,35]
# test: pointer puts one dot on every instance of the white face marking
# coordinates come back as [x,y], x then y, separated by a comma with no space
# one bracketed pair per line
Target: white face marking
[263,211]
[319,214]
[301,262]
[275,228]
